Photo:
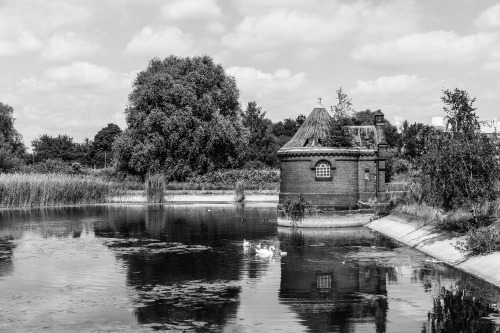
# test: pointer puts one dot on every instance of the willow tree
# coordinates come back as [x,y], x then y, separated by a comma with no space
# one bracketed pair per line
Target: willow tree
[183,118]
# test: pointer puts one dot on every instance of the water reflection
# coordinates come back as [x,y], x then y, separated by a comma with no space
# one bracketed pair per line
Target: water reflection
[183,267]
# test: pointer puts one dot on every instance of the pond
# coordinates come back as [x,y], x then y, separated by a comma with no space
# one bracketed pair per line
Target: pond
[183,268]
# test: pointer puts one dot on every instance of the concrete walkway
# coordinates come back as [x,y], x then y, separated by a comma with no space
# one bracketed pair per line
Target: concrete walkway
[438,244]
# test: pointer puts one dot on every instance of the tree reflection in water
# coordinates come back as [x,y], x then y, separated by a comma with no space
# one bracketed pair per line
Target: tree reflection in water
[455,310]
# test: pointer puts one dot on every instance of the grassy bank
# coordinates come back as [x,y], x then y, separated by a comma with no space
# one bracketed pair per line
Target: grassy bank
[37,190]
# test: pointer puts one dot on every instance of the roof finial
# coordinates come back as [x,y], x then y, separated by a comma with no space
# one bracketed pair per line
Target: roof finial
[319,100]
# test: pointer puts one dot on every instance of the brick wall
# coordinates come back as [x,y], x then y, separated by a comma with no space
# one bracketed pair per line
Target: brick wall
[346,186]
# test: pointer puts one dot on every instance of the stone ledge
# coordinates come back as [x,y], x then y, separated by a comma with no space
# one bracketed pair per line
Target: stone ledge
[439,244]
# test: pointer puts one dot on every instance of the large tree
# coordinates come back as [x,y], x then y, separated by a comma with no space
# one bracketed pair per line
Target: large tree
[12,148]
[103,144]
[262,143]
[183,118]
[460,167]
[59,147]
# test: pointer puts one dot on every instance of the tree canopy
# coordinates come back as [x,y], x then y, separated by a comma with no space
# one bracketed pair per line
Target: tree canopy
[460,166]
[12,148]
[183,118]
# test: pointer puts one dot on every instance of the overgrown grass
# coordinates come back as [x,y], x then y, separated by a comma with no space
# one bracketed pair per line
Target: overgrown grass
[481,240]
[38,190]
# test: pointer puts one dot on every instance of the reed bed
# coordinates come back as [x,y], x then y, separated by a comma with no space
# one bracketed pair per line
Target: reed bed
[38,190]
[155,188]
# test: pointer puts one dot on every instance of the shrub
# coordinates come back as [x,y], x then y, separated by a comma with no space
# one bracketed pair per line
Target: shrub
[155,188]
[481,240]
[295,208]
[240,191]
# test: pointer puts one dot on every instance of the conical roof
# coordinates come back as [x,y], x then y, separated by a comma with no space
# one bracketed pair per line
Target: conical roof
[313,131]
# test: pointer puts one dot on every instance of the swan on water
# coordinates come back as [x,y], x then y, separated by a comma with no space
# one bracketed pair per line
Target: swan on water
[246,243]
[283,253]
[266,252]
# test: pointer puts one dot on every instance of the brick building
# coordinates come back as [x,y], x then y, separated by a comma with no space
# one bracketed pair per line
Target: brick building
[338,178]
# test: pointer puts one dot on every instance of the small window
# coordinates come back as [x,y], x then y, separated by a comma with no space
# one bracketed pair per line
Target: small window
[323,170]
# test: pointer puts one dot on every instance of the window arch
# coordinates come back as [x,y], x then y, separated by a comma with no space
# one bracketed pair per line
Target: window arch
[323,170]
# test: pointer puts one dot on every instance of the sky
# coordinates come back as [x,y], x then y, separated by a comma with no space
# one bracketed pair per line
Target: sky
[67,66]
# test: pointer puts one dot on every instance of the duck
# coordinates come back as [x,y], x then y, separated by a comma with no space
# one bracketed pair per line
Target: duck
[258,246]
[283,253]
[266,252]
[246,243]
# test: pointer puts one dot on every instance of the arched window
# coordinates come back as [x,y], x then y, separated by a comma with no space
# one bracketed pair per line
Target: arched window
[323,170]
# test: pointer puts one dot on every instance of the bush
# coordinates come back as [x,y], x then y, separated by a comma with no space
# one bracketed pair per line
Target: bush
[231,176]
[481,240]
[50,166]
[295,208]
[240,191]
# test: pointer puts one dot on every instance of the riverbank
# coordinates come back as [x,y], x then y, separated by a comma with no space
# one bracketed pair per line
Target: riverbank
[193,196]
[438,244]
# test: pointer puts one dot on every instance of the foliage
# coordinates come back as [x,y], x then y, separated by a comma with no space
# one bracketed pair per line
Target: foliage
[183,119]
[50,165]
[344,108]
[9,162]
[460,167]
[155,188]
[36,190]
[339,134]
[239,190]
[47,147]
[262,144]
[12,148]
[103,145]
[231,176]
[415,139]
[481,240]
[295,208]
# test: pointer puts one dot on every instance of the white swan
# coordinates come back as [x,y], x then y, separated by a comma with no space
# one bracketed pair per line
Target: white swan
[283,253]
[266,252]
[246,243]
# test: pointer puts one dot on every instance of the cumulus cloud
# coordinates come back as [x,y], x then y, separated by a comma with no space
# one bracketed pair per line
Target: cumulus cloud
[281,93]
[489,18]
[161,42]
[401,96]
[428,47]
[301,23]
[68,46]
[178,10]
[76,99]
[25,24]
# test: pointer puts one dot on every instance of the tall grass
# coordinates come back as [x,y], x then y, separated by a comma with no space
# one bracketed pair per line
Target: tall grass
[239,190]
[155,188]
[37,190]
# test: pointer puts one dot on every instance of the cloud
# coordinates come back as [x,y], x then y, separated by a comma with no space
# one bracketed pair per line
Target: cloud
[161,43]
[489,18]
[267,26]
[282,93]
[79,73]
[178,10]
[25,24]
[443,47]
[401,96]
[77,99]
[67,46]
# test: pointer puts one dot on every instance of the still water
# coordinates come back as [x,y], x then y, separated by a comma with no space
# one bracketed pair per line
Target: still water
[183,268]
